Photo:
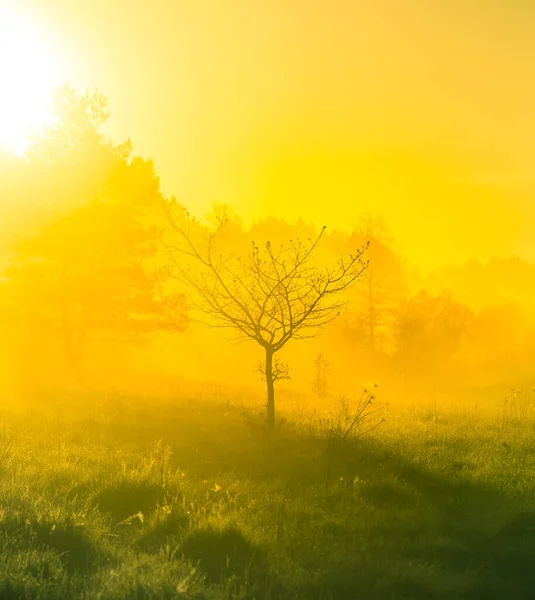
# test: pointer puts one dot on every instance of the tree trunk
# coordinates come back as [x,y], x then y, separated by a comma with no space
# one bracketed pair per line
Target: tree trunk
[73,344]
[270,391]
[372,318]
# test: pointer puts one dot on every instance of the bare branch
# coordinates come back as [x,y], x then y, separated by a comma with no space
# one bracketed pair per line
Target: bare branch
[271,296]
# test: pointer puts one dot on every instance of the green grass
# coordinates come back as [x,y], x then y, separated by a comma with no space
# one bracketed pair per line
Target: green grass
[184,500]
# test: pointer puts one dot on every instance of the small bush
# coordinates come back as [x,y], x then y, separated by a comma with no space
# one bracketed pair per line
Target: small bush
[223,552]
[166,526]
[128,498]
[78,552]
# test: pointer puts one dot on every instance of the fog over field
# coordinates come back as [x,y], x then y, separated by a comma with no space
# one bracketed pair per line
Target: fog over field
[267,300]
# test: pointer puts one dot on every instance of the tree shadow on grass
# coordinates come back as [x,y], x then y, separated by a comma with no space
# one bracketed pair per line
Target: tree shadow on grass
[461,535]
[452,537]
[386,494]
[353,582]
[507,562]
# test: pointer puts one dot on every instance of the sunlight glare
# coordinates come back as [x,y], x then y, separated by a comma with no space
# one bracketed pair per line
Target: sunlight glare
[28,76]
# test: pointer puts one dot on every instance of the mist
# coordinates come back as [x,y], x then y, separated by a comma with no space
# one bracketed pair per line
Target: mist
[267,301]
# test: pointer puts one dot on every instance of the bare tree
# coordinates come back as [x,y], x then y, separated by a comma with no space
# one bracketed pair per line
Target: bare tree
[384,287]
[320,384]
[270,295]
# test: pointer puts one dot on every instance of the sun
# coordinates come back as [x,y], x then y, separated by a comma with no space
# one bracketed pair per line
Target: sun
[28,76]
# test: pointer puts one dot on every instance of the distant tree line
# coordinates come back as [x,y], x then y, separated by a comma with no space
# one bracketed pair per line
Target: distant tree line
[102,258]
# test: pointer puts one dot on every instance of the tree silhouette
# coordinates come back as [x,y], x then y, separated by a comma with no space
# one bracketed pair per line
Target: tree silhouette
[320,384]
[91,272]
[383,289]
[431,329]
[75,133]
[270,296]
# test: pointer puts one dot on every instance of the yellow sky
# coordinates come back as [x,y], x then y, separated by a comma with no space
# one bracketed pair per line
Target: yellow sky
[422,111]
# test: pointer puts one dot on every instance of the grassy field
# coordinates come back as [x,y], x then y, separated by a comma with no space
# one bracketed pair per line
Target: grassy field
[178,499]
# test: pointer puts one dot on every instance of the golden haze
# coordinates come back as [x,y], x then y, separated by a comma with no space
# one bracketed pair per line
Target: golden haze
[417,115]
[204,393]
[420,112]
